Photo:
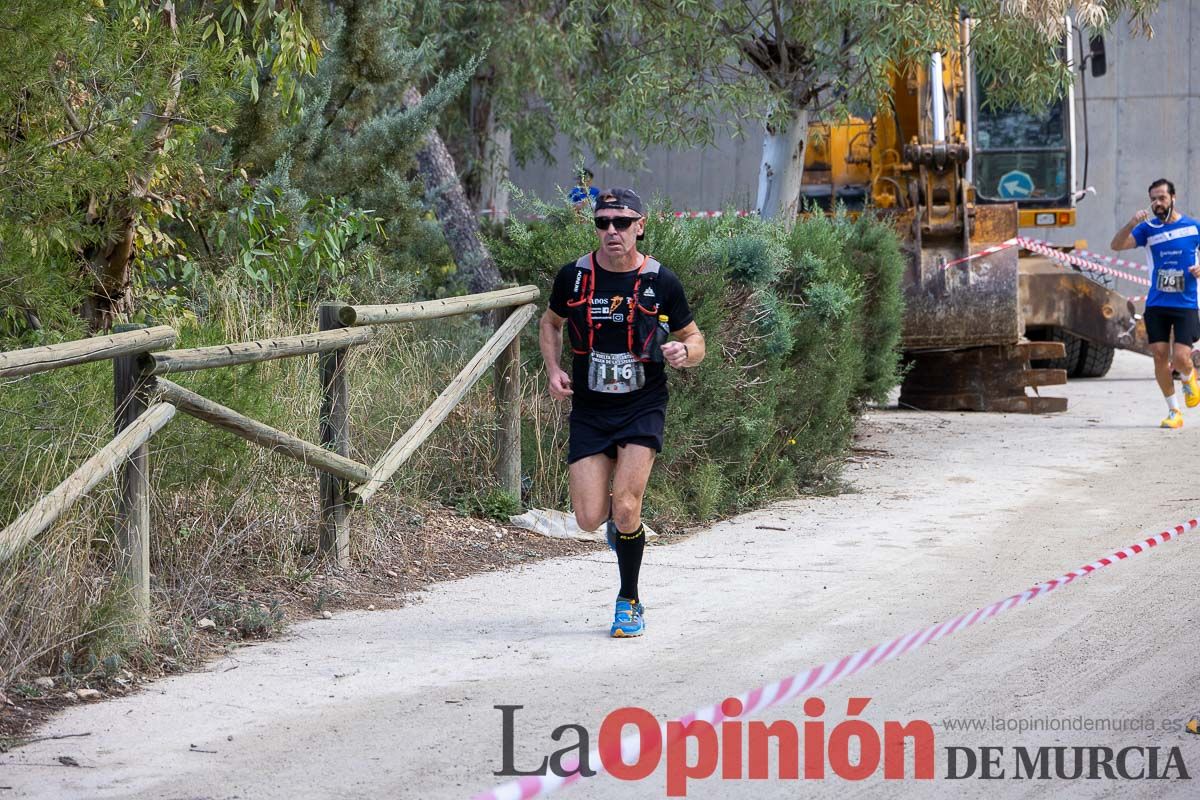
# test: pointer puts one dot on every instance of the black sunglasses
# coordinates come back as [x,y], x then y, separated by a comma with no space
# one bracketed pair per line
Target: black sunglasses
[620,223]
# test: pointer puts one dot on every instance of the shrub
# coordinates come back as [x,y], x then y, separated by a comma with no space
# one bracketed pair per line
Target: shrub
[802,327]
[249,620]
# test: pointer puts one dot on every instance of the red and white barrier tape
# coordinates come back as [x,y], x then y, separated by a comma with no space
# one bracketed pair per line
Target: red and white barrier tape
[695,214]
[830,672]
[987,251]
[1119,262]
[1050,251]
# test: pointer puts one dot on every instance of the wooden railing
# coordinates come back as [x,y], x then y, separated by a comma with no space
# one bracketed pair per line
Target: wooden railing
[141,360]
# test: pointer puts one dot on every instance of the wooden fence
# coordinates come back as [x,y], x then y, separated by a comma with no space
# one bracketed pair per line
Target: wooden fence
[145,399]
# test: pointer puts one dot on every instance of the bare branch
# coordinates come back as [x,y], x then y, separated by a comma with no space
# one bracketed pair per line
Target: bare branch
[81,130]
[780,38]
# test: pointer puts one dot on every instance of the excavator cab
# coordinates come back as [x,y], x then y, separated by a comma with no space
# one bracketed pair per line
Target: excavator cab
[1026,158]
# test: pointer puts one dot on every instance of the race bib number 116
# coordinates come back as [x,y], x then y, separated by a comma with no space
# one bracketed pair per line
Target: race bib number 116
[615,373]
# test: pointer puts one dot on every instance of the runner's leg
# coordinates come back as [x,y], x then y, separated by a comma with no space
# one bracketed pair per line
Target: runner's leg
[1186,330]
[1162,368]
[590,477]
[1181,359]
[634,462]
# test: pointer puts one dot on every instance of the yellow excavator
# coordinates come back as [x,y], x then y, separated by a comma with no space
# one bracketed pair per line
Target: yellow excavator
[959,176]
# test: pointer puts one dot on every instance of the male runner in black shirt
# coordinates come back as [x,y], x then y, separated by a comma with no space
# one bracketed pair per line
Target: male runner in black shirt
[619,307]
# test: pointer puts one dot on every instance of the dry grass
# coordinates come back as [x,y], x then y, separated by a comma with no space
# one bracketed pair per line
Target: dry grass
[232,523]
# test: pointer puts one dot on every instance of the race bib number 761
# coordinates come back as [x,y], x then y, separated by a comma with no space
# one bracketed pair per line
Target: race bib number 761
[1169,280]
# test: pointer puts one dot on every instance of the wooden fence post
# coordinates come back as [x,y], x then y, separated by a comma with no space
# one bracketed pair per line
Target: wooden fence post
[130,400]
[335,436]
[508,407]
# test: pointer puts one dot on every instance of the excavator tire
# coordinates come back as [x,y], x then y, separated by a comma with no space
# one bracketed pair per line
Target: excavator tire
[1073,345]
[1094,360]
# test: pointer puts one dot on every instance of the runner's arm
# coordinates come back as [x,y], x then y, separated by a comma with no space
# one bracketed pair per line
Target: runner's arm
[550,342]
[1124,239]
[688,348]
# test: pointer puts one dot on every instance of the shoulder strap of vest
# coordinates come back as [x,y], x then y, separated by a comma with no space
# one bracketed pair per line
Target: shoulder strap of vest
[583,285]
[652,267]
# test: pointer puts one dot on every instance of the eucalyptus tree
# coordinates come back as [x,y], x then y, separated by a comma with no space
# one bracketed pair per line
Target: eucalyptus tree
[105,108]
[663,71]
[527,58]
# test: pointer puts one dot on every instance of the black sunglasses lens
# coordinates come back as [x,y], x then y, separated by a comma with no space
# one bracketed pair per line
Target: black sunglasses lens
[620,223]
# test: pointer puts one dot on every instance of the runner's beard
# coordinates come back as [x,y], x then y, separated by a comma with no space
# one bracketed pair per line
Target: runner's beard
[1164,213]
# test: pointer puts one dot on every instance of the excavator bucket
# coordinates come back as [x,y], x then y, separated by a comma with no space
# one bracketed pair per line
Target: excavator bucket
[969,303]
[962,325]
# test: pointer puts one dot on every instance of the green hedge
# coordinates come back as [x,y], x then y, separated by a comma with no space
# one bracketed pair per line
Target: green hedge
[802,326]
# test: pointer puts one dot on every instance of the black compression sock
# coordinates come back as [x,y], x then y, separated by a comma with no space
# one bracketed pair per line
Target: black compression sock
[630,547]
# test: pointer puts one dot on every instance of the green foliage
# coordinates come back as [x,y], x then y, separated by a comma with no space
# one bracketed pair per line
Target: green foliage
[110,637]
[776,321]
[675,73]
[278,44]
[306,255]
[525,58]
[253,136]
[327,188]
[53,421]
[802,328]
[751,260]
[829,303]
[249,620]
[875,253]
[112,117]
[491,502]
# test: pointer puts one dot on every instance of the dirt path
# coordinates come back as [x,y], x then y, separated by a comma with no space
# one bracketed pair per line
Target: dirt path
[954,512]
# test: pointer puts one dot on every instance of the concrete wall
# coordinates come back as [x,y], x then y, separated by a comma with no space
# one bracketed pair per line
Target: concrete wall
[710,178]
[1139,118]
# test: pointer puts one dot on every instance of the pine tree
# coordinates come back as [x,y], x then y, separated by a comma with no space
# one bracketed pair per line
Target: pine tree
[365,128]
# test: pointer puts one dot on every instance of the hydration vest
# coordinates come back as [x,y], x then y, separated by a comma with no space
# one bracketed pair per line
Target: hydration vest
[641,321]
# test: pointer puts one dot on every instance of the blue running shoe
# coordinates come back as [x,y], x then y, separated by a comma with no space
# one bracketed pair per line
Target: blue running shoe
[628,619]
[610,534]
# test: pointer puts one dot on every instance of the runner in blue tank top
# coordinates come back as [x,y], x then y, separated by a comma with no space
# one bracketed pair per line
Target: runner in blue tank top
[1171,307]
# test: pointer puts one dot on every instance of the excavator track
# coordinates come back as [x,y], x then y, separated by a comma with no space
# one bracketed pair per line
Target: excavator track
[990,378]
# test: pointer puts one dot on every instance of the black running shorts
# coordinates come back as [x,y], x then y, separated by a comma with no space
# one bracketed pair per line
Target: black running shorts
[1160,320]
[594,431]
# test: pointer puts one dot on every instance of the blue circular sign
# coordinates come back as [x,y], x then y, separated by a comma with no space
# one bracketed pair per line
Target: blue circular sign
[1015,185]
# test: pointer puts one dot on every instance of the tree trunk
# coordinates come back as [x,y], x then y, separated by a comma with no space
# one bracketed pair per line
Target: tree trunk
[109,266]
[493,179]
[782,169]
[458,222]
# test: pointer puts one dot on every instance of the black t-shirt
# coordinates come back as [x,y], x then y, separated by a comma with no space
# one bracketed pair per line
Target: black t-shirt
[611,297]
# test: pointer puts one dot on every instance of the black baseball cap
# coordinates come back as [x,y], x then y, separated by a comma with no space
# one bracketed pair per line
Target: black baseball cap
[620,198]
